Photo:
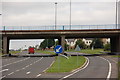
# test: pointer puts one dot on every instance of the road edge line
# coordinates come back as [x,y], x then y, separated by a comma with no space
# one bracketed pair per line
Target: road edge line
[44,71]
[110,68]
[81,68]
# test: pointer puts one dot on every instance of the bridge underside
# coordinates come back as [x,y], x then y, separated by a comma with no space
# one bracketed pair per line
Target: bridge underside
[61,35]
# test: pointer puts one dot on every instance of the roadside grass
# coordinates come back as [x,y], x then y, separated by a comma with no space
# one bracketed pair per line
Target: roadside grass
[14,52]
[62,64]
[116,56]
[0,54]
[88,51]
[36,51]
[44,52]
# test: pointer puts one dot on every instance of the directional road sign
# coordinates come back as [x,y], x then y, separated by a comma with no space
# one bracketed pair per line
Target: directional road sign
[58,49]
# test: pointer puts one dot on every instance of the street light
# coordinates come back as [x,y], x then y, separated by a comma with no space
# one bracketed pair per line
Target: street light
[70,14]
[55,15]
[116,13]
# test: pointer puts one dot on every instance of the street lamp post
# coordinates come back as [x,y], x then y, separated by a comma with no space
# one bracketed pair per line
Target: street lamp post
[55,15]
[70,14]
[116,13]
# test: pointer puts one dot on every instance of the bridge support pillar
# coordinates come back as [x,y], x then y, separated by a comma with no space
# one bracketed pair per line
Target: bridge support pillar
[61,41]
[5,45]
[115,44]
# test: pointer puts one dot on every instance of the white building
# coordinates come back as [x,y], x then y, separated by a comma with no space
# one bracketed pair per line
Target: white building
[87,41]
[71,43]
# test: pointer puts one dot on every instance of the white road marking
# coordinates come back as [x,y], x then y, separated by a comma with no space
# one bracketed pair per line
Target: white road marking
[38,75]
[17,70]
[49,66]
[15,62]
[110,67]
[64,56]
[28,72]
[11,73]
[4,70]
[2,77]
[85,65]
[27,66]
[23,67]
[9,59]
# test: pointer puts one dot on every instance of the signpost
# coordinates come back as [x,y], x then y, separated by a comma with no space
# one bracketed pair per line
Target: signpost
[58,49]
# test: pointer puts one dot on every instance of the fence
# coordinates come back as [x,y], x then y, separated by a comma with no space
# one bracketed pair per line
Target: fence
[61,27]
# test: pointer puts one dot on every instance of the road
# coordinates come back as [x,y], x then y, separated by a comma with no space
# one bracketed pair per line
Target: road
[25,67]
[33,67]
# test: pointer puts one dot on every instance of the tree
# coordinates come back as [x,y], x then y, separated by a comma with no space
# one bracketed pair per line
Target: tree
[107,47]
[97,43]
[47,43]
[66,46]
[81,44]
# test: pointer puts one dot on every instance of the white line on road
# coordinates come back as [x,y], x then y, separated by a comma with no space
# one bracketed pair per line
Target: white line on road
[110,67]
[15,62]
[8,59]
[38,75]
[23,67]
[85,65]
[2,77]
[11,73]
[4,70]
[49,66]
[28,72]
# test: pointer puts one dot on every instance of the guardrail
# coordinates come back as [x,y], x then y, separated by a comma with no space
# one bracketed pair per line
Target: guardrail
[62,27]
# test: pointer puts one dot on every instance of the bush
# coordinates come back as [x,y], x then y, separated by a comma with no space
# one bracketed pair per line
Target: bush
[81,44]
[97,43]
[107,47]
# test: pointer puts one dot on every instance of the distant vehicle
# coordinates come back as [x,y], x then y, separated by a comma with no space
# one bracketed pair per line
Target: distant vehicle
[31,51]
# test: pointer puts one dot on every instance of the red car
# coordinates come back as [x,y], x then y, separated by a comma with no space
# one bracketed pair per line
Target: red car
[31,51]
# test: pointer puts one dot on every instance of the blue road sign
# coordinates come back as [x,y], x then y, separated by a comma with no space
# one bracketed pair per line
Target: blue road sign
[58,49]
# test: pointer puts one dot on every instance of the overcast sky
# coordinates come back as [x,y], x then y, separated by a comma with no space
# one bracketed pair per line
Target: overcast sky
[42,12]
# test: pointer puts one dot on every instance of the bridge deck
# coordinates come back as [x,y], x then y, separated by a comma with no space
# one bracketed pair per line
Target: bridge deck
[41,34]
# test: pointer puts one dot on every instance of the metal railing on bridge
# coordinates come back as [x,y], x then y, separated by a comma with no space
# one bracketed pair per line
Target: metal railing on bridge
[62,27]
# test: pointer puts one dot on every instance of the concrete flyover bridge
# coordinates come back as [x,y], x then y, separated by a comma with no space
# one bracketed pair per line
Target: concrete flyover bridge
[61,35]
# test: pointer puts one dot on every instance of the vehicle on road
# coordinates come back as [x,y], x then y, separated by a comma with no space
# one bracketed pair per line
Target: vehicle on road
[31,50]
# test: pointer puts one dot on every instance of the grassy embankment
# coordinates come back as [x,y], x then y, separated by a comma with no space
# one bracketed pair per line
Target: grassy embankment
[62,64]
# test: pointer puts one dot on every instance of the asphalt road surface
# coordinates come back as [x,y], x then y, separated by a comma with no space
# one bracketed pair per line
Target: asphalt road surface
[34,67]
[25,67]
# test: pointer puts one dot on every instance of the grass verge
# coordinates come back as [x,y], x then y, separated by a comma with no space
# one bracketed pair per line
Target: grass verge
[89,51]
[45,52]
[62,64]
[14,52]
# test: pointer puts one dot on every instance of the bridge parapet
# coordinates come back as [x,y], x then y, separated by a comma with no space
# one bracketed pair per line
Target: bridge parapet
[63,27]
